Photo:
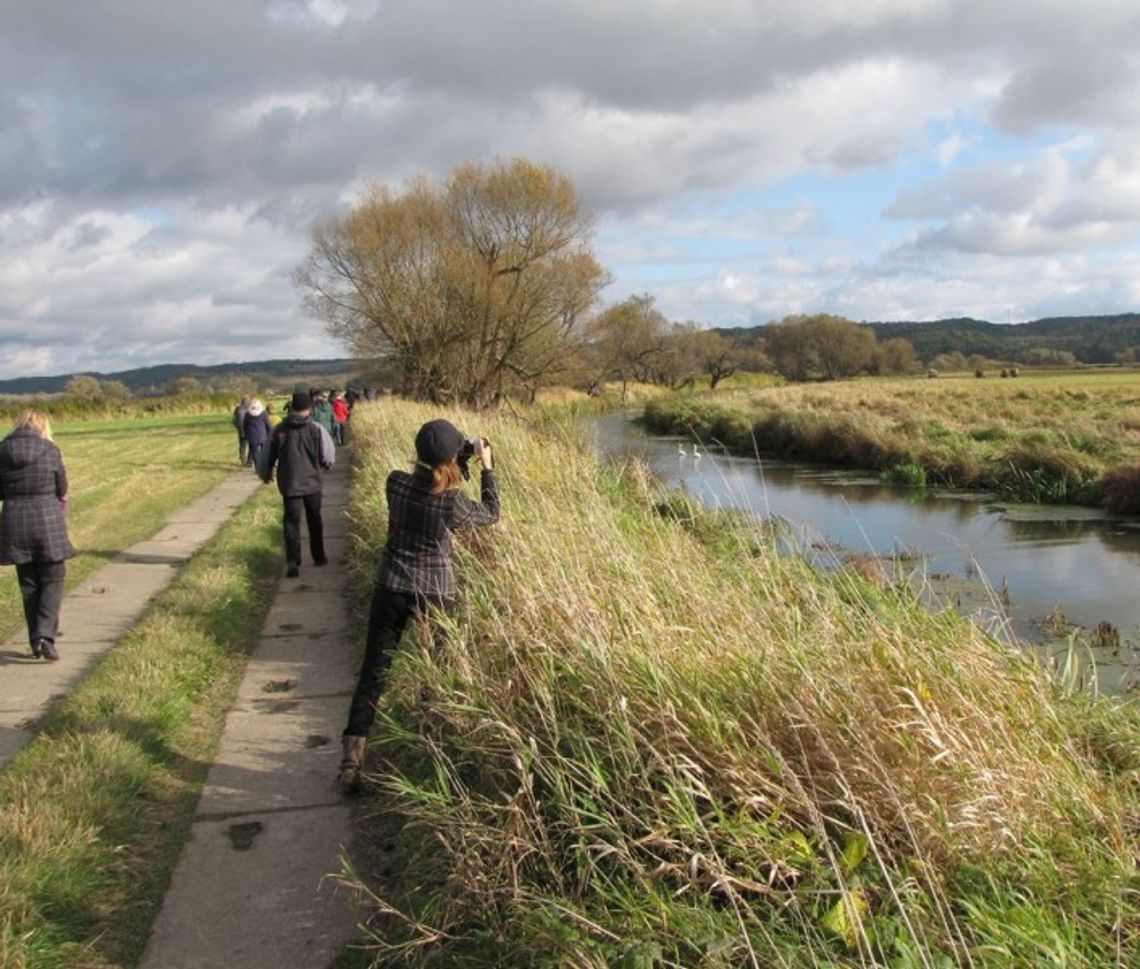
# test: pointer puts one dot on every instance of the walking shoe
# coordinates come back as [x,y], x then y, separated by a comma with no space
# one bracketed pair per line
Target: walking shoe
[48,650]
[293,571]
[321,561]
[348,780]
[37,645]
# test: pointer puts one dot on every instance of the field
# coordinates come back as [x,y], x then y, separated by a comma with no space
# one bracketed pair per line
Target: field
[652,742]
[126,477]
[1068,437]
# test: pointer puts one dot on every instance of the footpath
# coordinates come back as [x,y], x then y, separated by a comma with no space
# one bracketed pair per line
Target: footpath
[99,611]
[253,888]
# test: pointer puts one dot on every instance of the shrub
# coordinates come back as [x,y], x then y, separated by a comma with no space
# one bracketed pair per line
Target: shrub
[1120,488]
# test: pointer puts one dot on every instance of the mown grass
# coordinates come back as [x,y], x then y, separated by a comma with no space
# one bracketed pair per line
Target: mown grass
[125,479]
[94,811]
[653,742]
[1064,438]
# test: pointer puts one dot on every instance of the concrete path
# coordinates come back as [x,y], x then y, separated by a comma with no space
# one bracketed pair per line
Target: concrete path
[104,607]
[251,890]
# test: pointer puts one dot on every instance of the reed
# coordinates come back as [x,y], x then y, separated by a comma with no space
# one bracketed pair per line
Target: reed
[653,741]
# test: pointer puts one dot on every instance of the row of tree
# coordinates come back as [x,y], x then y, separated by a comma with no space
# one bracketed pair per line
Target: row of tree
[487,285]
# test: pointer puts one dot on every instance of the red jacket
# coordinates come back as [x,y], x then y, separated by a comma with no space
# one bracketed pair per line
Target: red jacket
[340,410]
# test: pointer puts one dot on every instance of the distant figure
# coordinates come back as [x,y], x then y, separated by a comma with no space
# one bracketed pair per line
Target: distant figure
[271,413]
[300,449]
[323,412]
[33,527]
[257,430]
[239,422]
[340,418]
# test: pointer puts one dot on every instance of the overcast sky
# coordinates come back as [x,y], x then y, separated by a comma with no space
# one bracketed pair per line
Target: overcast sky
[162,163]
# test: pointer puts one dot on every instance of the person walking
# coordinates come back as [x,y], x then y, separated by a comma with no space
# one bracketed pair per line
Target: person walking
[323,412]
[257,430]
[340,416]
[301,450]
[239,422]
[415,576]
[33,529]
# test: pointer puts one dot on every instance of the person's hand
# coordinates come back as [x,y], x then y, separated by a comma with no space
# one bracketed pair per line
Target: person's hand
[483,453]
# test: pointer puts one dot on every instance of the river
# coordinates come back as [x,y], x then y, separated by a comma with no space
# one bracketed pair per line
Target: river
[1008,566]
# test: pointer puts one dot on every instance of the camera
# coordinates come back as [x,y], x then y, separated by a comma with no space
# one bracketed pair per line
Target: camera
[466,452]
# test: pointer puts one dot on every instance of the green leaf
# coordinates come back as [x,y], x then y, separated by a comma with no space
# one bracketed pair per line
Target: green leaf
[855,848]
[844,919]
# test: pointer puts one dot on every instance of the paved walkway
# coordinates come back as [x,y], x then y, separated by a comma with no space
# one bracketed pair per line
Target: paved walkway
[97,613]
[251,889]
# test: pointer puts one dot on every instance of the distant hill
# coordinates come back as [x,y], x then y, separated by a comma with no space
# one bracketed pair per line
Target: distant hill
[1091,339]
[268,374]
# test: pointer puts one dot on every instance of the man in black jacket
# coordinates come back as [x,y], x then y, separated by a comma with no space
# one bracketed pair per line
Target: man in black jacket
[301,450]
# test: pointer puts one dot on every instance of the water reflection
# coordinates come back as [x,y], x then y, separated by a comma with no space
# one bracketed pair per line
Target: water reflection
[1086,562]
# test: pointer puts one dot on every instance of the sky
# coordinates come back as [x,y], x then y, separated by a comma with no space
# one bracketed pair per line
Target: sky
[163,164]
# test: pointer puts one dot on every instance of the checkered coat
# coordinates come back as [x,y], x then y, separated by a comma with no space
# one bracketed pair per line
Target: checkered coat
[33,484]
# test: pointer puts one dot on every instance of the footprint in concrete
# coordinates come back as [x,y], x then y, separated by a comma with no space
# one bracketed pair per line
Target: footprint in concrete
[280,706]
[241,835]
[316,740]
[278,686]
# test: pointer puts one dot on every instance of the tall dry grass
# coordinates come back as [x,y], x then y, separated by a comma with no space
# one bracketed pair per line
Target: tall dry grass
[652,741]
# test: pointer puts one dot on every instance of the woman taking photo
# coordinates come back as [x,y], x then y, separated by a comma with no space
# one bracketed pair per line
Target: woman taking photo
[33,534]
[415,574]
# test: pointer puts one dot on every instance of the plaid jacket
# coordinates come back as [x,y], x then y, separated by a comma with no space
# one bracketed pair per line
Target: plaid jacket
[417,558]
[32,484]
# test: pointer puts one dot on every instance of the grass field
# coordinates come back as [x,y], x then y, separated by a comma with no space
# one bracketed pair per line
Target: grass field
[126,477]
[1068,437]
[93,812]
[653,742]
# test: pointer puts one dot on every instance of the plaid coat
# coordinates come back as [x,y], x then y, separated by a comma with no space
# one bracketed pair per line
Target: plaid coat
[33,484]
[417,558]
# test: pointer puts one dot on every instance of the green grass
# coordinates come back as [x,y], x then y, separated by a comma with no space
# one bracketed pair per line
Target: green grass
[94,811]
[126,477]
[1055,438]
[654,742]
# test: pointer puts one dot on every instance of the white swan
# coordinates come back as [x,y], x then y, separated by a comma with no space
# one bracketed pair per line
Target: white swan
[681,450]
[697,453]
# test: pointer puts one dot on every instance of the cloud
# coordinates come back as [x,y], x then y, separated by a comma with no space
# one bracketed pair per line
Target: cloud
[160,169]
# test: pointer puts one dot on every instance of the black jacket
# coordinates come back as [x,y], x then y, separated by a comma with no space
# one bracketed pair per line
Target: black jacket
[257,428]
[32,486]
[300,449]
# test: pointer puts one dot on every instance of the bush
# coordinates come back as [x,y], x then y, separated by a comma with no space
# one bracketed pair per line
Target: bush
[1120,488]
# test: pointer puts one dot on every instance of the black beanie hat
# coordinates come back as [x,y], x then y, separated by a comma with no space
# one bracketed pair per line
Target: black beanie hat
[301,401]
[438,441]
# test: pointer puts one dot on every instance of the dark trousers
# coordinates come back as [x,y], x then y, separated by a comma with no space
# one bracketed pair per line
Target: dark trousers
[41,586]
[256,454]
[312,507]
[387,619]
[243,449]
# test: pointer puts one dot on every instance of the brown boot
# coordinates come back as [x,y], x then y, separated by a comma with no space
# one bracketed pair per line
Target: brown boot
[348,780]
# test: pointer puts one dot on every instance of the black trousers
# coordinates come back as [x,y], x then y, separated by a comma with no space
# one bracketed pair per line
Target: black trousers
[41,586]
[387,620]
[312,508]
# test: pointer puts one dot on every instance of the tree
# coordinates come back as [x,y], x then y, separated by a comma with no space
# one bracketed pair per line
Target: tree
[114,390]
[473,287]
[181,386]
[83,387]
[824,345]
[626,338]
[895,356]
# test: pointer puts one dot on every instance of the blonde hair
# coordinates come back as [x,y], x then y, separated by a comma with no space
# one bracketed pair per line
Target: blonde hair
[445,476]
[33,420]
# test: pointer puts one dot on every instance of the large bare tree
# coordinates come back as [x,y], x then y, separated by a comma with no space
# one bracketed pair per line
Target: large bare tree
[474,287]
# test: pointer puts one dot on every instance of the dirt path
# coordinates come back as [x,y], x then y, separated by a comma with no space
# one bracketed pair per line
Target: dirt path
[104,607]
[251,889]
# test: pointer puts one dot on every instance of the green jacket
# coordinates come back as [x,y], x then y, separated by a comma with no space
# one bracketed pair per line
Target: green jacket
[323,415]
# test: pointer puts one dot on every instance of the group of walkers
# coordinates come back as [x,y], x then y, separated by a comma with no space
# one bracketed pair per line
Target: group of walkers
[254,421]
[414,579]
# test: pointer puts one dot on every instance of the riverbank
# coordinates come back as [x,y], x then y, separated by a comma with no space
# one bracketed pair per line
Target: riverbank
[1065,439]
[652,740]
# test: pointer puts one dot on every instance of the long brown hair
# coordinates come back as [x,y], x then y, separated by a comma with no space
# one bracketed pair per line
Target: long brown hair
[36,421]
[445,476]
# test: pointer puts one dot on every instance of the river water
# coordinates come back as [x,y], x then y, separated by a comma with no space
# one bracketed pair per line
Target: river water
[1008,566]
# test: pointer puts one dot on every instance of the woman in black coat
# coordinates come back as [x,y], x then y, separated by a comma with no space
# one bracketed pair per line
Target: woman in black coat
[33,533]
[257,431]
